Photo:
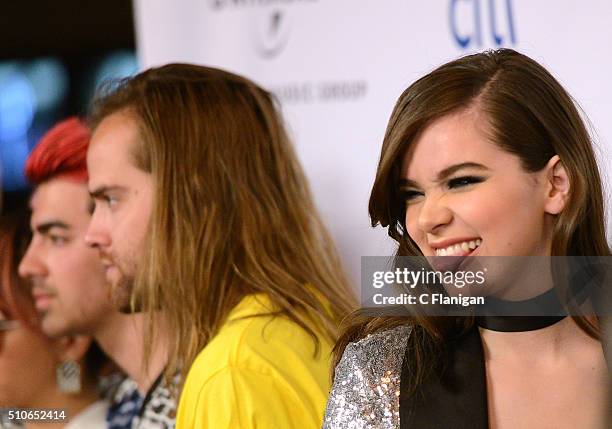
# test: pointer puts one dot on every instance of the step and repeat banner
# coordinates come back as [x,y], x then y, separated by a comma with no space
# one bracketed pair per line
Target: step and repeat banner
[338,67]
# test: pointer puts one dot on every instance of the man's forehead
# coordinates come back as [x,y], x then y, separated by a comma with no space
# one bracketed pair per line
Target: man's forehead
[108,172]
[111,147]
[59,197]
[117,129]
[105,149]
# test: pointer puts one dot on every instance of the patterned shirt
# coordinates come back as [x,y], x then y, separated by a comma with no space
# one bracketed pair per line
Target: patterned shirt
[130,410]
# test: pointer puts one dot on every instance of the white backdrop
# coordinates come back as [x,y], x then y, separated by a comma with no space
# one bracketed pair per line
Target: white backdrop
[338,67]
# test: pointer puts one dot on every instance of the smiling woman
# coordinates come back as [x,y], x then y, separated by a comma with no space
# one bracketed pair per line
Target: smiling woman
[485,156]
[453,174]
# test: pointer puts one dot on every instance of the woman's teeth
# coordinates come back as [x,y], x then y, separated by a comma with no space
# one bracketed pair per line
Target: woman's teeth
[458,248]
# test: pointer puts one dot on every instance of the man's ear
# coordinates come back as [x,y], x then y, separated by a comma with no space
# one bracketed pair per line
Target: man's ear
[557,186]
[72,348]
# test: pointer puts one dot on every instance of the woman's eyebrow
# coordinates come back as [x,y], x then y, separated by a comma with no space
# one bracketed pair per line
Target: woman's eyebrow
[445,173]
[449,171]
[408,183]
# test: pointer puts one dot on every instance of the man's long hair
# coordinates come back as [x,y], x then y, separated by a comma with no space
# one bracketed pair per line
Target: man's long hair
[233,214]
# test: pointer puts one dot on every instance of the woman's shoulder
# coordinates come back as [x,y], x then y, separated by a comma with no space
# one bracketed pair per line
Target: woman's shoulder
[367,382]
[387,343]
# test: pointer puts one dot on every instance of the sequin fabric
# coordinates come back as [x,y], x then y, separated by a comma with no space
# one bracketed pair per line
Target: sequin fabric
[366,387]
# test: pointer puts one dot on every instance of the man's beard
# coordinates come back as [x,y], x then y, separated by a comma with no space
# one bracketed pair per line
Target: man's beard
[121,294]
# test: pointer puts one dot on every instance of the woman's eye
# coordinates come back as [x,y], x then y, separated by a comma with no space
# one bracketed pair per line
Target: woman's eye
[460,182]
[410,195]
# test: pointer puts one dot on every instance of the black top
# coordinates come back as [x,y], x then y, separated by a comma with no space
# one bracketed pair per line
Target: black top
[455,396]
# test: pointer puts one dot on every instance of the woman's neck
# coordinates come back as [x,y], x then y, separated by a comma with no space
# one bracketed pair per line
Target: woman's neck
[558,340]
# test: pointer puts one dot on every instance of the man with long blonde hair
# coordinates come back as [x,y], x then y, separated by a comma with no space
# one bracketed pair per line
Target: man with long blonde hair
[204,216]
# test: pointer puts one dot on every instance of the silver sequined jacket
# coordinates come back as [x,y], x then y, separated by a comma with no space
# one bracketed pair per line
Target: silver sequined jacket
[366,388]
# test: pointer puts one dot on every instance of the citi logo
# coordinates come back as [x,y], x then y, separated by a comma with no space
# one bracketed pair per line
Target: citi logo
[474,25]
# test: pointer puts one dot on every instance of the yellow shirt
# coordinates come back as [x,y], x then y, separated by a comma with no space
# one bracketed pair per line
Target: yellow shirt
[258,372]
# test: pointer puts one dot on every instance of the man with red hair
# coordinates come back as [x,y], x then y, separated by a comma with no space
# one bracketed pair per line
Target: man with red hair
[68,279]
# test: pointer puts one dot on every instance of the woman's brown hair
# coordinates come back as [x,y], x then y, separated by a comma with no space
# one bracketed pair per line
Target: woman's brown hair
[15,301]
[531,116]
[233,213]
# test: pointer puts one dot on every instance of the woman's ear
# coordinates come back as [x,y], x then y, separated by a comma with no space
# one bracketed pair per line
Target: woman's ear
[557,186]
[72,348]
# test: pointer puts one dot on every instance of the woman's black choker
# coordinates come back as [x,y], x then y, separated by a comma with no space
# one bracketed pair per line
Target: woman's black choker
[517,323]
[517,316]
